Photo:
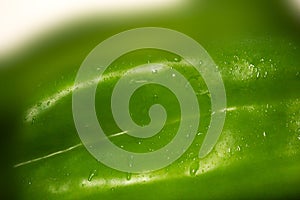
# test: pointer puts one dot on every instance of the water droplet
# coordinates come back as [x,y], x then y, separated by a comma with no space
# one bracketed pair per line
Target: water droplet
[298,137]
[128,176]
[154,71]
[194,167]
[122,146]
[229,150]
[173,75]
[130,161]
[266,110]
[238,148]
[216,68]
[139,142]
[187,85]
[199,133]
[262,60]
[92,174]
[200,62]
[29,182]
[176,59]
[264,134]
[287,125]
[257,75]
[33,120]
[266,74]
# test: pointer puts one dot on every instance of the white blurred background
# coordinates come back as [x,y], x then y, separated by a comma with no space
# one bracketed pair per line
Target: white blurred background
[21,20]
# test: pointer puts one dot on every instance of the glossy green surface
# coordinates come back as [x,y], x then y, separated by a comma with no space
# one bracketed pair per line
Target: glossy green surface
[257,155]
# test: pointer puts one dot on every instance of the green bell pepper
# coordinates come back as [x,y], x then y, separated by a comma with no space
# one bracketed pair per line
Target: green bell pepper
[256,156]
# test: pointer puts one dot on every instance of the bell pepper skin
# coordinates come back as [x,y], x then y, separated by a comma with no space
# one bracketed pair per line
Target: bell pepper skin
[256,156]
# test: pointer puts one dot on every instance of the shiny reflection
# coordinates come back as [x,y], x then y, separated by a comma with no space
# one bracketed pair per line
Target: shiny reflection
[33,112]
[218,158]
